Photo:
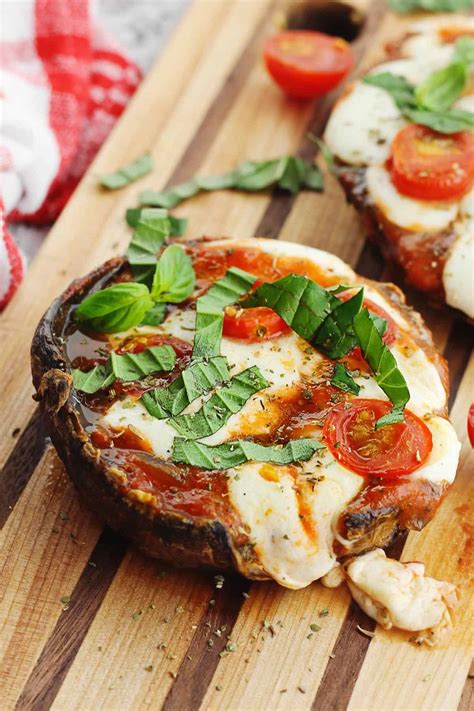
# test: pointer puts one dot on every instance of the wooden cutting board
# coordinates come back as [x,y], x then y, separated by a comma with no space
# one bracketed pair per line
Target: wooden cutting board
[87,622]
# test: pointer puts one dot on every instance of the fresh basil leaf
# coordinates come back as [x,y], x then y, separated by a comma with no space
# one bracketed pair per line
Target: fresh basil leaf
[382,362]
[395,415]
[343,380]
[404,6]
[231,454]
[134,170]
[210,310]
[116,308]
[178,225]
[300,302]
[224,403]
[93,380]
[337,288]
[134,366]
[336,336]
[450,121]
[405,97]
[174,277]
[288,173]
[400,89]
[154,316]
[464,50]
[199,378]
[441,89]
[153,227]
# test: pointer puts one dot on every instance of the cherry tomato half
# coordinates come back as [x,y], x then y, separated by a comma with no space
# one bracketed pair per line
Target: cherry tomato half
[255,324]
[427,165]
[470,424]
[391,451]
[306,64]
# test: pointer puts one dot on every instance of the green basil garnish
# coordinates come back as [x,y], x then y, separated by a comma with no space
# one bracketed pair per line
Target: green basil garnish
[116,308]
[178,225]
[125,367]
[231,454]
[288,173]
[154,316]
[384,366]
[174,277]
[464,50]
[123,176]
[224,403]
[336,336]
[210,310]
[197,379]
[442,88]
[404,6]
[134,366]
[343,380]
[90,382]
[300,302]
[151,230]
[429,104]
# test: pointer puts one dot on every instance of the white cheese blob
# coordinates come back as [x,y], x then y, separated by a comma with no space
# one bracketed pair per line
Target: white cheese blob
[362,125]
[290,523]
[399,594]
[458,273]
[426,35]
[413,215]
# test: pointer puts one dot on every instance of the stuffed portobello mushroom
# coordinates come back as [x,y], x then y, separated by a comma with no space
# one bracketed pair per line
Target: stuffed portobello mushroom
[250,405]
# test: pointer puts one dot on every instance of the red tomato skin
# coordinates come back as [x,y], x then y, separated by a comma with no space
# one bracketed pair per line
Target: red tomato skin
[443,173]
[255,324]
[403,447]
[470,424]
[307,64]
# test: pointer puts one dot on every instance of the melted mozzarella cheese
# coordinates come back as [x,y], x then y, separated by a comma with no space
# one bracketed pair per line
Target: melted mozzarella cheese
[458,270]
[292,525]
[399,594]
[442,462]
[414,215]
[362,125]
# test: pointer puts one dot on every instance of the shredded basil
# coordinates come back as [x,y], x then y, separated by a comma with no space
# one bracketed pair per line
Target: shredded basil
[152,228]
[343,380]
[231,454]
[197,379]
[89,382]
[300,302]
[210,310]
[336,336]
[174,277]
[224,403]
[123,176]
[288,173]
[125,367]
[430,103]
[116,308]
[404,6]
[178,225]
[384,366]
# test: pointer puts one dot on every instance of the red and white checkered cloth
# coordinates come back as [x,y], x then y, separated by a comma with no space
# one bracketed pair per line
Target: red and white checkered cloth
[63,85]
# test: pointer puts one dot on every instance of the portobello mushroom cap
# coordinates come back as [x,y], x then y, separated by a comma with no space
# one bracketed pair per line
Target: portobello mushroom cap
[374,518]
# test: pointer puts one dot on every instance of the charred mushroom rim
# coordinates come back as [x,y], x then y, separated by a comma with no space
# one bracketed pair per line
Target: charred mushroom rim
[176,511]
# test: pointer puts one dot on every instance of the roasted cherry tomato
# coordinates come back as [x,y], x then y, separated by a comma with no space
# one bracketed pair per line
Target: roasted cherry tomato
[432,166]
[391,451]
[470,424]
[307,64]
[255,324]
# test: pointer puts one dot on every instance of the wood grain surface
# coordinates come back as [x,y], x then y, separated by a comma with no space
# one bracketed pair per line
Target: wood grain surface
[87,622]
